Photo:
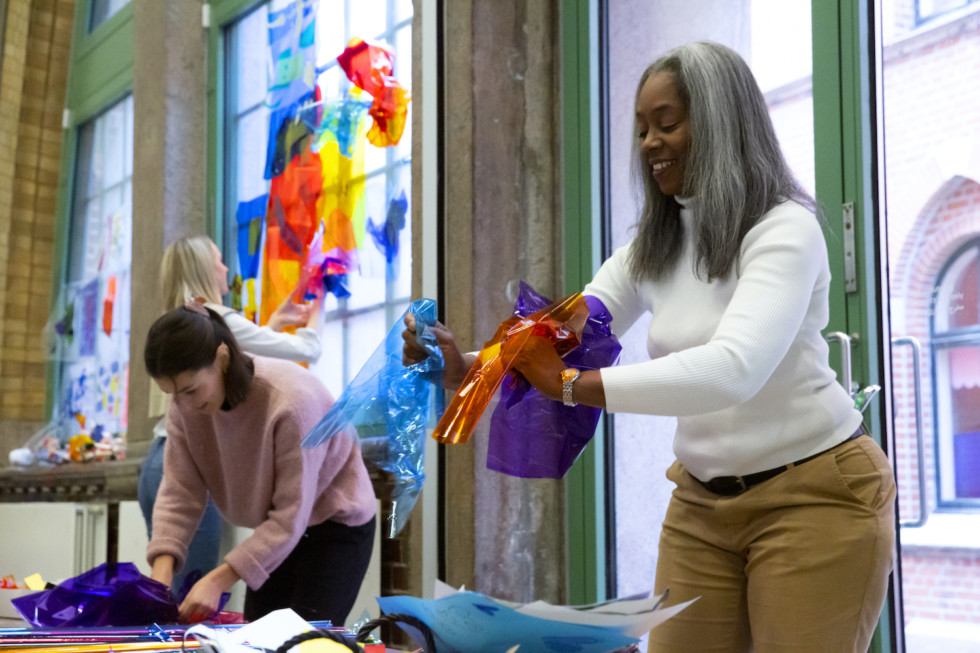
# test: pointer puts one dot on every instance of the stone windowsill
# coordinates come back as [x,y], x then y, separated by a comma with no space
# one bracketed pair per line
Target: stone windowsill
[947,531]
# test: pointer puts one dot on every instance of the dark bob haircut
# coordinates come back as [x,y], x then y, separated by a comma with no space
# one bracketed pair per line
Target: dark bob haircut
[185,340]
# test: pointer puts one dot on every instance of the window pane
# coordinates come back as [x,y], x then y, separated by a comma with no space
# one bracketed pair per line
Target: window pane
[403,10]
[95,307]
[253,130]
[114,146]
[368,20]
[956,298]
[933,8]
[958,377]
[364,333]
[330,33]
[252,30]
[374,158]
[376,288]
[103,10]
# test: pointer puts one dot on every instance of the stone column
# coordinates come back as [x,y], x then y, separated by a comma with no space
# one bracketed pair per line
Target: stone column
[505,536]
[169,163]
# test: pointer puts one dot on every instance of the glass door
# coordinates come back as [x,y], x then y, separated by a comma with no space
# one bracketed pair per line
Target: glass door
[929,57]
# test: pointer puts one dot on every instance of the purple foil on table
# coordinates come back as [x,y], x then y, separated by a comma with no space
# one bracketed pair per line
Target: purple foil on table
[108,595]
[532,436]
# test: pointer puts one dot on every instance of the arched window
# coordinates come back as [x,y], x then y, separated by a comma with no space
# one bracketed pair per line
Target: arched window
[955,327]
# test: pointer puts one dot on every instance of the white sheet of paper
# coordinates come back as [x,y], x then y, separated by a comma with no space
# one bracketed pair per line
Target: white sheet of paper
[636,619]
[222,639]
[635,616]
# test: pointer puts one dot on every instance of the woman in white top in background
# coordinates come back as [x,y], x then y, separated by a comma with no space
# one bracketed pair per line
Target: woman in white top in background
[782,522]
[192,267]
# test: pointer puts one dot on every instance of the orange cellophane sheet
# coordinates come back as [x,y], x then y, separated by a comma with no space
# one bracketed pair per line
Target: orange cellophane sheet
[562,323]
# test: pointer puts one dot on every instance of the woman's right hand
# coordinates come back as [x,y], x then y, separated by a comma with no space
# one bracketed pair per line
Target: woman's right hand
[456,364]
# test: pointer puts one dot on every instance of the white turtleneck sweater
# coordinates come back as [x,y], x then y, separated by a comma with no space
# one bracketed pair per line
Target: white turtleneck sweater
[740,361]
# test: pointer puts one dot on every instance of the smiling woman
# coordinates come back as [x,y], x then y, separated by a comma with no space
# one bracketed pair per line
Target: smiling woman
[780,500]
[661,122]
[233,432]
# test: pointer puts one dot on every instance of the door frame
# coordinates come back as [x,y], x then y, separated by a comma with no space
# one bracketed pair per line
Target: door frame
[846,89]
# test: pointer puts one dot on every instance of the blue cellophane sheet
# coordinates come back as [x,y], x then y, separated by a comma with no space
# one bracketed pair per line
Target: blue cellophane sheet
[107,595]
[391,407]
[468,621]
[532,436]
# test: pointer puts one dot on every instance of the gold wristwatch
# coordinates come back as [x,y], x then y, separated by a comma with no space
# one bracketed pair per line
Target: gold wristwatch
[568,376]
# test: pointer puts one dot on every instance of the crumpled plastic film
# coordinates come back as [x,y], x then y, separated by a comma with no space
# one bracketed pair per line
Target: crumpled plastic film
[107,595]
[532,436]
[397,403]
[561,322]
[370,66]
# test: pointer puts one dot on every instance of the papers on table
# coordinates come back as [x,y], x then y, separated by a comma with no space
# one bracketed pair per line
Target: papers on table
[268,633]
[466,621]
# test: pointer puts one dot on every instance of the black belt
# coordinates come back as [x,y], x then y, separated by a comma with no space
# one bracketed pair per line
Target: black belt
[731,485]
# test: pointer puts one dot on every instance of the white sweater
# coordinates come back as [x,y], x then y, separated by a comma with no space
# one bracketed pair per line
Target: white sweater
[741,361]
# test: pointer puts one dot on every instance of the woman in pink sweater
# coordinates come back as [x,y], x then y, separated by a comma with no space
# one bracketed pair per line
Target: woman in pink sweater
[234,431]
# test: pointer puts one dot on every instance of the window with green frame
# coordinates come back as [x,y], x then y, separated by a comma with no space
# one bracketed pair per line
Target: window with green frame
[379,290]
[102,10]
[89,328]
[93,350]
[927,10]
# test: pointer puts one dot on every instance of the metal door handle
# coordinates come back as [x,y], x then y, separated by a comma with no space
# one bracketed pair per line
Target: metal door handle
[845,359]
[920,447]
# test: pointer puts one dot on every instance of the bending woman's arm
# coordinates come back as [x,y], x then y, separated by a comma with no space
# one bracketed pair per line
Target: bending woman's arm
[179,504]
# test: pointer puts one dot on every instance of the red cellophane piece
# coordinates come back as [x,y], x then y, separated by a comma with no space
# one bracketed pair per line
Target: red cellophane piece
[562,323]
[370,67]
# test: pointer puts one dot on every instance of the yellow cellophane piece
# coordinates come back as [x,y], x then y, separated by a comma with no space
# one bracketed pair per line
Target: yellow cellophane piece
[34,582]
[562,323]
[341,205]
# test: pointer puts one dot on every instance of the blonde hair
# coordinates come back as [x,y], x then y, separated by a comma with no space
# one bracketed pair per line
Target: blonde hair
[187,270]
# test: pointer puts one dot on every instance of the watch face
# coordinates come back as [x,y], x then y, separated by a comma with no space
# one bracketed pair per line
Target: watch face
[569,374]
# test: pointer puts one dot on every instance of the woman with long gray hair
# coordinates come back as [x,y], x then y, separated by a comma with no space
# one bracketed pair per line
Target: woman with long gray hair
[782,520]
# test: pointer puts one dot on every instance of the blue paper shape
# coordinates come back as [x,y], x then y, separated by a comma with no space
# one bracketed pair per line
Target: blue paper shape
[340,123]
[395,404]
[385,235]
[291,50]
[249,238]
[288,132]
[467,621]
[87,299]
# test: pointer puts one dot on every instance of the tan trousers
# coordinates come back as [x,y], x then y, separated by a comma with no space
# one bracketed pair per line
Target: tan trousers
[797,563]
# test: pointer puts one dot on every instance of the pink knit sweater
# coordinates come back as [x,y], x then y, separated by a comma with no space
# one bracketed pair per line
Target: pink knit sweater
[251,461]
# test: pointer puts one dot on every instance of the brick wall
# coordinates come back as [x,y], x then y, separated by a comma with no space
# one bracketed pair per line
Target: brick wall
[33,79]
[936,585]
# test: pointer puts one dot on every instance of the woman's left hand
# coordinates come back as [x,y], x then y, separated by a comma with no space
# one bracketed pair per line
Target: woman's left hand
[290,313]
[205,596]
